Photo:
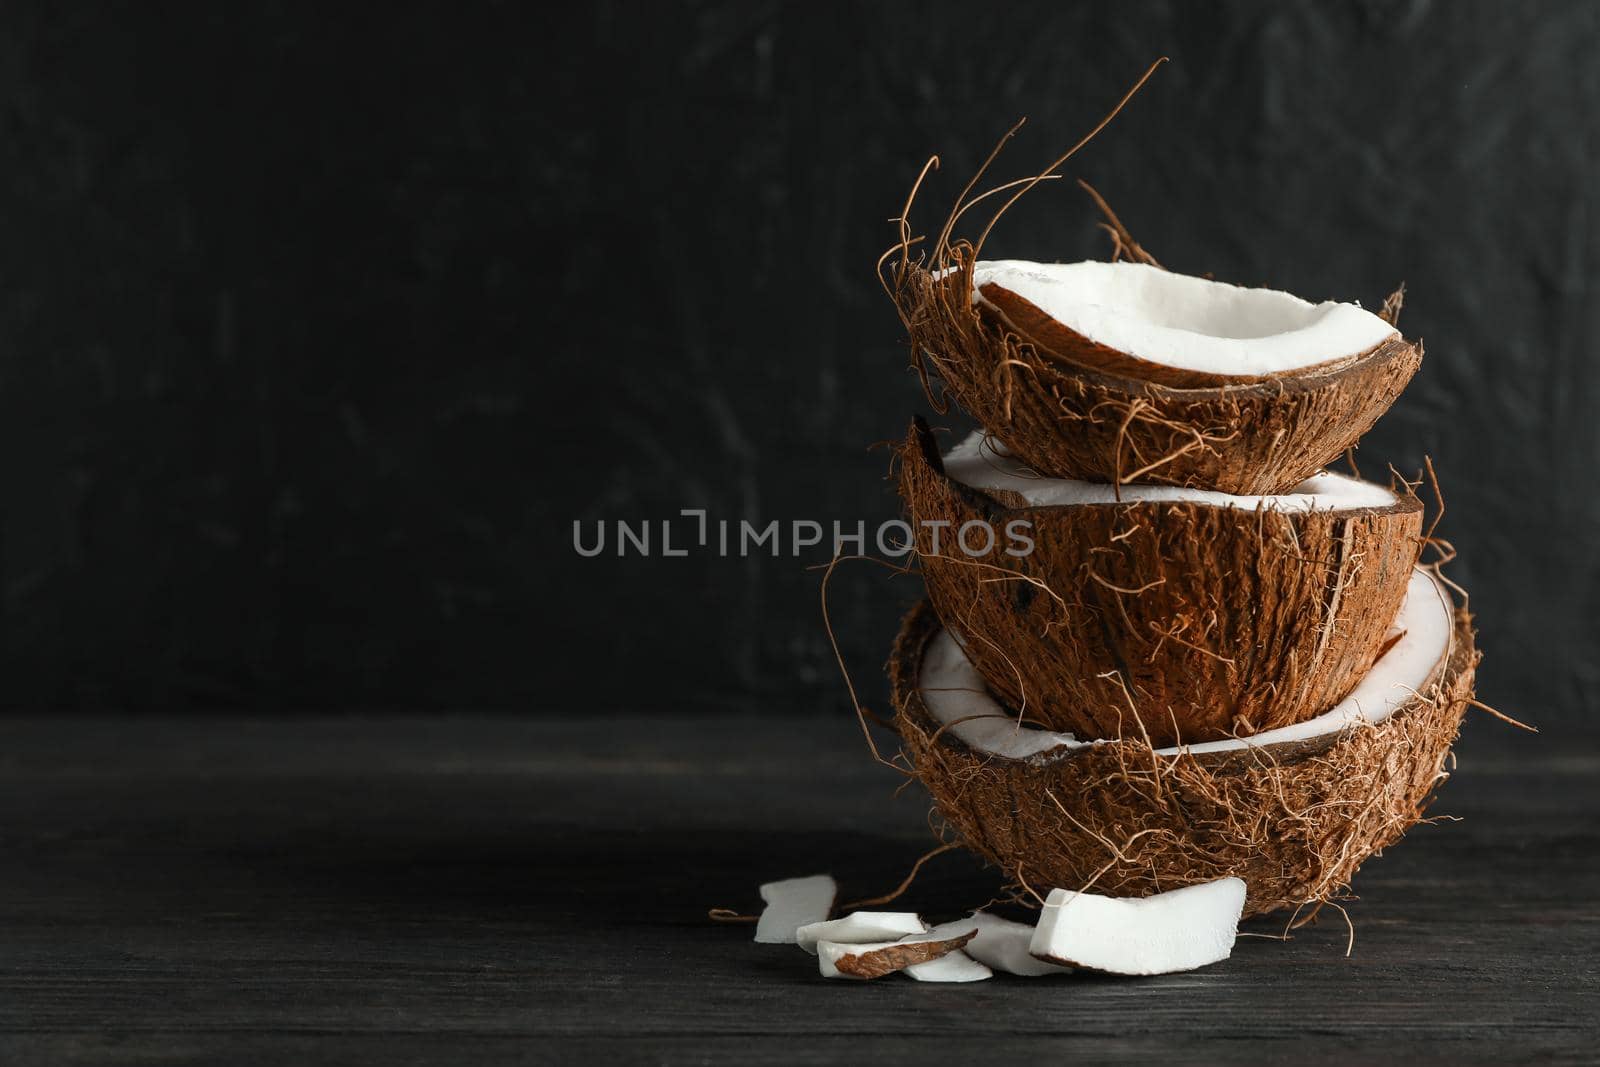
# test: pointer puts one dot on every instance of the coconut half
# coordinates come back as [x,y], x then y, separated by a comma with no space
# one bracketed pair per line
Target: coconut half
[1244,391]
[1175,931]
[793,903]
[1144,322]
[1172,615]
[957,698]
[1293,814]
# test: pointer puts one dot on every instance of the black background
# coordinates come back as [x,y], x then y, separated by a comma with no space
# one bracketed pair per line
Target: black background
[320,327]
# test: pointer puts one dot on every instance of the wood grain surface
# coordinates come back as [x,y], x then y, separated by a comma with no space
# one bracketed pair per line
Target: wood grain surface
[474,889]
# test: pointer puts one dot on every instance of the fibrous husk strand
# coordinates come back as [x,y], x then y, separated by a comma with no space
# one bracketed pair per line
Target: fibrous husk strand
[1123,246]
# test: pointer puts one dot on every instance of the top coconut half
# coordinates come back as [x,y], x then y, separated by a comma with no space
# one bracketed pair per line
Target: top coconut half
[1127,373]
[1155,325]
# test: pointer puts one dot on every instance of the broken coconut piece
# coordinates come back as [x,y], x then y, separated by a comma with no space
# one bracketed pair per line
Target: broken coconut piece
[1293,812]
[861,927]
[1159,326]
[1084,414]
[1175,931]
[955,966]
[965,965]
[793,903]
[1004,945]
[878,958]
[1173,614]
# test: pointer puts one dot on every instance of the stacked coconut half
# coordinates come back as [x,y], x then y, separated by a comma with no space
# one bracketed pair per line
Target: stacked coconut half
[1162,645]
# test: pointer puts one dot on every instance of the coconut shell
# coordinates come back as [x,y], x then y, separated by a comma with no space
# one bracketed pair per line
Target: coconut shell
[1067,419]
[1173,621]
[1295,822]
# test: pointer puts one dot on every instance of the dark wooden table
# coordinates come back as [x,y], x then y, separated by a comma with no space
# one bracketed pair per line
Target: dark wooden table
[481,890]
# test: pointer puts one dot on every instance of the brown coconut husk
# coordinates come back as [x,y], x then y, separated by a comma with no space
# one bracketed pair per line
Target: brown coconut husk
[1177,621]
[1067,419]
[1295,822]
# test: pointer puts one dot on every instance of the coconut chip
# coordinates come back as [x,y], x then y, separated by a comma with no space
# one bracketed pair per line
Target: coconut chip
[1003,944]
[861,927]
[954,966]
[1175,931]
[793,903]
[878,958]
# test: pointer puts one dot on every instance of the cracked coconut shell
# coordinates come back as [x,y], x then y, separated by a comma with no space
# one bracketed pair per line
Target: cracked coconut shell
[1294,820]
[1067,411]
[1174,620]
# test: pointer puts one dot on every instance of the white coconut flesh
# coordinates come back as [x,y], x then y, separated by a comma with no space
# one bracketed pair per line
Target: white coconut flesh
[793,903]
[1004,945]
[1190,323]
[1174,931]
[997,945]
[861,927]
[955,695]
[981,462]
[957,966]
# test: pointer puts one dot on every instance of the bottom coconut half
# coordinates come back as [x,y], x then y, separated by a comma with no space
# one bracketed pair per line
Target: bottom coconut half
[1294,813]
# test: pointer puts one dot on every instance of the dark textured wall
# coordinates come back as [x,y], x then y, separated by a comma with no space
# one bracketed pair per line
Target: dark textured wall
[319,329]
